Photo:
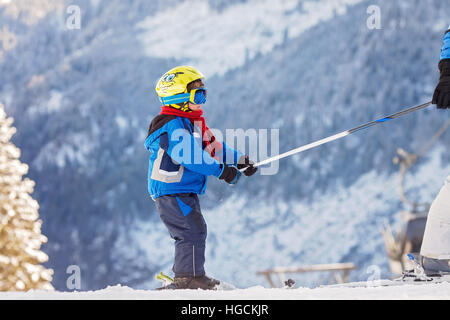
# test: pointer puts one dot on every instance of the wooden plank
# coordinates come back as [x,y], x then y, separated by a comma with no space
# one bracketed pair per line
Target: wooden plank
[312,268]
[269,280]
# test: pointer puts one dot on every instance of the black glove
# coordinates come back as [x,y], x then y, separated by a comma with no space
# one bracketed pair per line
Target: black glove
[229,174]
[245,162]
[441,95]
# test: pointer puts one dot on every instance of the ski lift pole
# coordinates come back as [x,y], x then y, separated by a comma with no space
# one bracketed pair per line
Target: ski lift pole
[340,135]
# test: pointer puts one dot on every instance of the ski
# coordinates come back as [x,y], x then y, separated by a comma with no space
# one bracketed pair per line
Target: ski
[164,278]
[223,286]
[416,276]
[403,280]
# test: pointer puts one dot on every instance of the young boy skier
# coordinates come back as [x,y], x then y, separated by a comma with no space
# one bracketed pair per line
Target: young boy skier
[435,250]
[184,152]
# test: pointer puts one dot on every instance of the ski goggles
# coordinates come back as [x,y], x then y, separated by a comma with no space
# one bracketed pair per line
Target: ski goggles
[195,96]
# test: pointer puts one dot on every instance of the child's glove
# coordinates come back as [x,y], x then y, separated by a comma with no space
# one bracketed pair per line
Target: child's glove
[229,174]
[245,162]
[441,95]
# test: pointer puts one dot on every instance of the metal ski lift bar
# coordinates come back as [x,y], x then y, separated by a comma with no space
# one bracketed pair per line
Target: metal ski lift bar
[341,135]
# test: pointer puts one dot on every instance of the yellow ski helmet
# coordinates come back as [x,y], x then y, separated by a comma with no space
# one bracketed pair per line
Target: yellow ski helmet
[175,81]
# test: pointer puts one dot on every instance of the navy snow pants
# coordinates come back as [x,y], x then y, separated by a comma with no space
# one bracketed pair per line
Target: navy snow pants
[182,216]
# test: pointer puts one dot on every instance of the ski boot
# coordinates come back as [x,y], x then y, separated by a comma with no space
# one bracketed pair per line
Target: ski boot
[435,267]
[203,282]
[416,274]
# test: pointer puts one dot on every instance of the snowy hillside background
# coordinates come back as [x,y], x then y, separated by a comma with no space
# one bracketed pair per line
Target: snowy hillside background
[82,101]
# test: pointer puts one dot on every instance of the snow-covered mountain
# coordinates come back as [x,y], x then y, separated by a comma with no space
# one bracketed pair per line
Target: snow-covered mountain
[247,22]
[82,100]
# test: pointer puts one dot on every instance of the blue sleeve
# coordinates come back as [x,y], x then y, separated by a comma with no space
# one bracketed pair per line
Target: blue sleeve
[445,54]
[229,155]
[184,150]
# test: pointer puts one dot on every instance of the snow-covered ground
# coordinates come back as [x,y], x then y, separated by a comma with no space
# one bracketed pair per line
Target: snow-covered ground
[405,292]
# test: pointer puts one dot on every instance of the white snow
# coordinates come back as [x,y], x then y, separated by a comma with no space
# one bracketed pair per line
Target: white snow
[405,292]
[235,34]
[54,103]
[122,123]
[77,149]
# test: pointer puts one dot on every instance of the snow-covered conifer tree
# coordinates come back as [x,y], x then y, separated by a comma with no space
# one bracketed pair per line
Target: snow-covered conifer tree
[20,227]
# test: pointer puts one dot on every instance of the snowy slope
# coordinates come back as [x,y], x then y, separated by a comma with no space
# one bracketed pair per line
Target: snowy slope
[406,292]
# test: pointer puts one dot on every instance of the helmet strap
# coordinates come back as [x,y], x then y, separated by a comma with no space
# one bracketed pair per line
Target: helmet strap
[181,106]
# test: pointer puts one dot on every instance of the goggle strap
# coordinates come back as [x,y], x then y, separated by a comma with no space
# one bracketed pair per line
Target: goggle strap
[178,98]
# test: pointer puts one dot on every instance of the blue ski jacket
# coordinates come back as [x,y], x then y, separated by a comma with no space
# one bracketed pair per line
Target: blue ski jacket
[178,162]
[445,54]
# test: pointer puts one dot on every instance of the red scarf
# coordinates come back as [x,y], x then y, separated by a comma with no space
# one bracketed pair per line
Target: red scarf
[209,141]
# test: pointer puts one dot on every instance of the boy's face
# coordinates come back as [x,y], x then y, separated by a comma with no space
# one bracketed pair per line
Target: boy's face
[196,84]
[194,107]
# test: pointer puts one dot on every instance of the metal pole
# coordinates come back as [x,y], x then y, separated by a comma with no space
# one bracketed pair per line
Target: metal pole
[340,135]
